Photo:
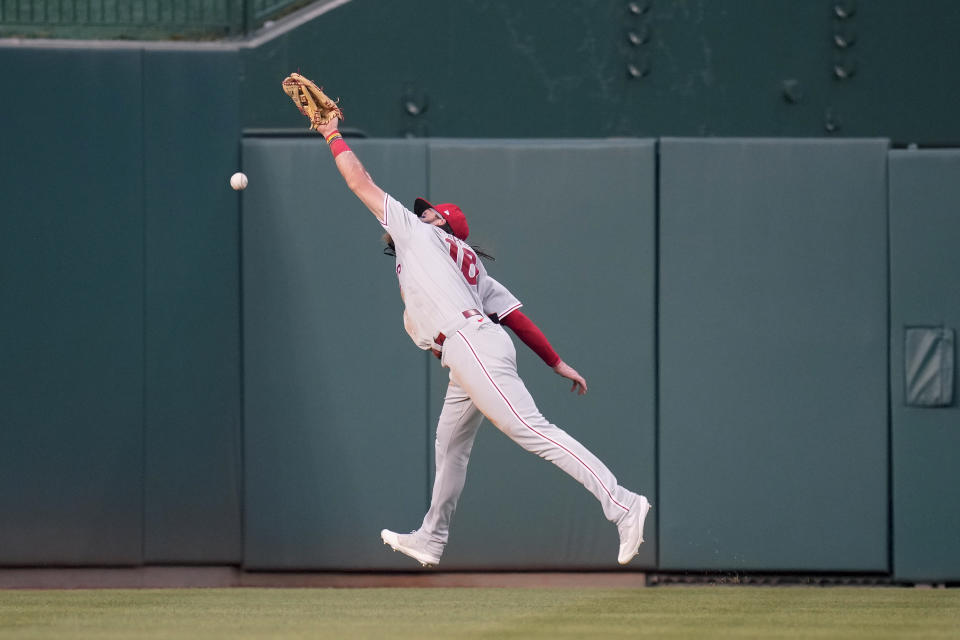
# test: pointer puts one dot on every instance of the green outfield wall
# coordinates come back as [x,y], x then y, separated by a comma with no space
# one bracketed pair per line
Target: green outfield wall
[195,376]
[120,441]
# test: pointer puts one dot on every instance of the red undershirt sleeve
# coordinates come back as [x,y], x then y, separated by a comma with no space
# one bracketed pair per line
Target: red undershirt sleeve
[531,336]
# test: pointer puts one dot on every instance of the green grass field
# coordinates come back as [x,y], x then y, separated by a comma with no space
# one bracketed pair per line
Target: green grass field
[662,612]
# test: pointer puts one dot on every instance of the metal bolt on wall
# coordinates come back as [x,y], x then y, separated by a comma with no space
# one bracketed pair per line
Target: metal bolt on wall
[414,103]
[638,38]
[844,63]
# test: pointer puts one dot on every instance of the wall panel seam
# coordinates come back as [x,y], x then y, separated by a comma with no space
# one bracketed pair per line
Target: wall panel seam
[656,344]
[889,425]
[143,311]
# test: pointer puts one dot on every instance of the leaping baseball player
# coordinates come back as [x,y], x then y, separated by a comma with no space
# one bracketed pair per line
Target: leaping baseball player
[454,308]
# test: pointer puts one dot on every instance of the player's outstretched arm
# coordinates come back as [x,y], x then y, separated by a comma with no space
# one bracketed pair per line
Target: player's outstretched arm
[357,178]
[531,335]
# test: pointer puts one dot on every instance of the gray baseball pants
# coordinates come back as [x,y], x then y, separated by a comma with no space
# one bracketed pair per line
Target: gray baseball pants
[484,382]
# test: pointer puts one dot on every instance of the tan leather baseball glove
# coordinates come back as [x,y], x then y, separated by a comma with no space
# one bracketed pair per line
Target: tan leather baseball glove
[311,100]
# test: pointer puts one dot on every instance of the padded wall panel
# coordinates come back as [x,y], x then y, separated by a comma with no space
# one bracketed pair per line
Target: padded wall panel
[193,439]
[335,391]
[924,265]
[571,225]
[71,276]
[773,393]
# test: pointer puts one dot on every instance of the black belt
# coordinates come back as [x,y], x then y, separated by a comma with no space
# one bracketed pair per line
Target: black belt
[440,339]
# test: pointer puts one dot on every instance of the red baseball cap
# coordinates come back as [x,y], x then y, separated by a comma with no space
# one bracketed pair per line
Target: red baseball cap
[450,212]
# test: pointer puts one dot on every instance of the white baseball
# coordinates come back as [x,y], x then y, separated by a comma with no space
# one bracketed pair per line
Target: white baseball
[238,181]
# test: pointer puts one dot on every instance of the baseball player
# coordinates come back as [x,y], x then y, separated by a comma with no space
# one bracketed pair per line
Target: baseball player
[454,308]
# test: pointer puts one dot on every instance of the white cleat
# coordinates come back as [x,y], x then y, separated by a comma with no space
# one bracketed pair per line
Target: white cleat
[631,530]
[408,544]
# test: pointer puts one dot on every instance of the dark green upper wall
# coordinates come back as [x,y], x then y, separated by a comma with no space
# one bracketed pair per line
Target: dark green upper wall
[552,68]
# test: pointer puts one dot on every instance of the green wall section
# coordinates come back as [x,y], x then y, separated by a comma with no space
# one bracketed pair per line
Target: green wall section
[338,440]
[571,225]
[773,351]
[193,445]
[335,392]
[71,272]
[924,231]
[120,441]
[192,375]
[554,68]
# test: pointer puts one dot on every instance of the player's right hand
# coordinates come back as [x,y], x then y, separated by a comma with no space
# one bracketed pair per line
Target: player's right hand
[568,372]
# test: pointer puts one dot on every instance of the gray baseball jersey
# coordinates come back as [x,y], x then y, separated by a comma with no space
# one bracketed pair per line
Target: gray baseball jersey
[423,271]
[442,281]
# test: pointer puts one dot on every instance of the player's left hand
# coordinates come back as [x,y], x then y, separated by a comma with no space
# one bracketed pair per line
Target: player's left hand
[568,372]
[330,127]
